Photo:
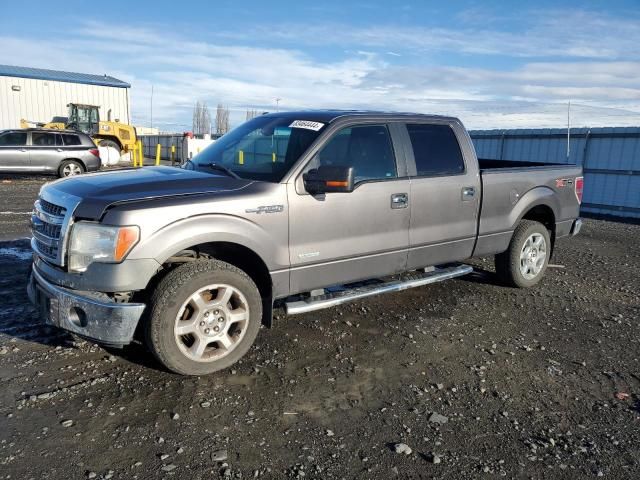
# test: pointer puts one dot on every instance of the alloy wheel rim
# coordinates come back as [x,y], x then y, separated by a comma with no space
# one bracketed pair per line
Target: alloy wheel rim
[211,322]
[71,169]
[533,256]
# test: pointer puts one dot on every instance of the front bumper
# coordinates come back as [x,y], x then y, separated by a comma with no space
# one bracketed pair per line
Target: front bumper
[98,319]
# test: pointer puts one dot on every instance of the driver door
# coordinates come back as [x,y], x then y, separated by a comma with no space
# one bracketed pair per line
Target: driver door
[342,237]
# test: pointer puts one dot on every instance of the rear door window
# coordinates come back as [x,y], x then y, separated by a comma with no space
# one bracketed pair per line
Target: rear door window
[436,150]
[45,139]
[70,139]
[13,139]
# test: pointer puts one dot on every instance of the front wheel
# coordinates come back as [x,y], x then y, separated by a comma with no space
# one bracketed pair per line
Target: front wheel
[527,257]
[204,317]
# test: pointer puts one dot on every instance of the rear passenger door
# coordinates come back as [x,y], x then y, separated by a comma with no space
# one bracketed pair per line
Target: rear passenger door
[444,195]
[14,155]
[46,151]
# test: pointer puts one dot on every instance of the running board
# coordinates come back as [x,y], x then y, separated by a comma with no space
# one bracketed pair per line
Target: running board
[328,300]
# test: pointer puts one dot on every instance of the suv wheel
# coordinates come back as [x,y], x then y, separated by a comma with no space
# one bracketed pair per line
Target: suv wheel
[526,260]
[204,317]
[69,168]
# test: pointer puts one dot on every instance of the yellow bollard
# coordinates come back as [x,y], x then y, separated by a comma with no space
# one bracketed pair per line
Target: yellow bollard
[273,157]
[133,157]
[240,157]
[140,154]
[158,151]
[173,154]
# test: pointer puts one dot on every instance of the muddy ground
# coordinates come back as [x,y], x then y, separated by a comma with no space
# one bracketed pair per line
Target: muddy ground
[540,383]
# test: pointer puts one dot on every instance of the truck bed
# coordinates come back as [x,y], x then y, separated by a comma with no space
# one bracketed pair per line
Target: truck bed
[509,186]
[494,164]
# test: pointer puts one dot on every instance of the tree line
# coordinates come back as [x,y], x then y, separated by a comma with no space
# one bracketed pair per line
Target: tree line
[202,119]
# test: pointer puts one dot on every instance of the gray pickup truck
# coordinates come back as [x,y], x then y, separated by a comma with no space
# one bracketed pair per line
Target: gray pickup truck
[300,210]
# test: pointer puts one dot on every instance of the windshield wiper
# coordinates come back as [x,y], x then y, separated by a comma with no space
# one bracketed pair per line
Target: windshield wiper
[222,168]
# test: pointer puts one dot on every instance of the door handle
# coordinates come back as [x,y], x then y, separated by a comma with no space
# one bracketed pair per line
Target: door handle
[23,149]
[468,193]
[58,149]
[399,200]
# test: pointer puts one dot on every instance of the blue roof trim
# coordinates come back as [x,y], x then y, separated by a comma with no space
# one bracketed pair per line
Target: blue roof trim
[60,76]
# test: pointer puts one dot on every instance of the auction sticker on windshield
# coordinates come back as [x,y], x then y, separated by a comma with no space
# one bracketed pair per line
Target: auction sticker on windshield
[309,125]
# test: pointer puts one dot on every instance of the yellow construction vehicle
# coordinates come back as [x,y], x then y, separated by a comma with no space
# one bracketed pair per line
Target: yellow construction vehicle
[86,118]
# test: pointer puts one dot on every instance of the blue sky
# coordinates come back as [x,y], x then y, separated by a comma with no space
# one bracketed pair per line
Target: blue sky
[494,64]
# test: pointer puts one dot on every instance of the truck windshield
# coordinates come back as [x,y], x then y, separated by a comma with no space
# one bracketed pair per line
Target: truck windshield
[263,148]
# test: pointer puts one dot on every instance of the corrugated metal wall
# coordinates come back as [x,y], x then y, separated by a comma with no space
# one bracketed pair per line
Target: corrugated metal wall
[40,100]
[610,158]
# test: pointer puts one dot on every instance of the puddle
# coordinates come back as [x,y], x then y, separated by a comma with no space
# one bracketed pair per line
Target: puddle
[19,253]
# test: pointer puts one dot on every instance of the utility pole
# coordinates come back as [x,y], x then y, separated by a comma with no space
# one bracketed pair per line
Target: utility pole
[568,129]
[277,103]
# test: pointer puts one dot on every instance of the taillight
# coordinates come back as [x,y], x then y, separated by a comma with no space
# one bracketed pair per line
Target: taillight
[95,152]
[579,184]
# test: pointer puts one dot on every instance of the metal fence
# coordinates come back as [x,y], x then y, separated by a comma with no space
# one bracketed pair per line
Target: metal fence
[150,142]
[610,158]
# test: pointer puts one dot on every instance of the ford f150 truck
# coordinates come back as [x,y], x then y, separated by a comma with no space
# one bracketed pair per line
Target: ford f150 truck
[303,210]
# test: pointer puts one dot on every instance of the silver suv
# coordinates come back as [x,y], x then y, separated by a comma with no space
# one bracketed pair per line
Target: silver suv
[61,152]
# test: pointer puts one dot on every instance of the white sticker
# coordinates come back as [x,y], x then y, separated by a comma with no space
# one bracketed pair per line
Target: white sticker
[315,126]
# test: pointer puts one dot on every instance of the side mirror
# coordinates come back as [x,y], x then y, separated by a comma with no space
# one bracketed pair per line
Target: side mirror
[328,179]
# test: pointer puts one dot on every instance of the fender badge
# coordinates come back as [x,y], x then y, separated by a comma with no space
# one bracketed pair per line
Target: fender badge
[266,209]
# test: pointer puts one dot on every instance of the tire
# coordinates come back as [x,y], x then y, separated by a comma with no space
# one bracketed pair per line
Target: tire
[176,328]
[519,267]
[109,143]
[69,168]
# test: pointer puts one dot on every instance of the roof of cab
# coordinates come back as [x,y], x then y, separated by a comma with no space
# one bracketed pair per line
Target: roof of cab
[328,116]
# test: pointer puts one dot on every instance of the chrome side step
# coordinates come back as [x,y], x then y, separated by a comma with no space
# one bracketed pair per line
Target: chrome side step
[328,300]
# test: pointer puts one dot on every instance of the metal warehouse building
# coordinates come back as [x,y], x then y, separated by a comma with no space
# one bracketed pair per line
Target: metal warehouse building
[39,95]
[610,158]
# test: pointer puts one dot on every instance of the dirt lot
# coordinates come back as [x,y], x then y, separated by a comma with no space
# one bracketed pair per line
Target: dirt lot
[541,383]
[17,194]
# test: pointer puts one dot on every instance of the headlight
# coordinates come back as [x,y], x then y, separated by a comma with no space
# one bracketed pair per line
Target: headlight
[92,242]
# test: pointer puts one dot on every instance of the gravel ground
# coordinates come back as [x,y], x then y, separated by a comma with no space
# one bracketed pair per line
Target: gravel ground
[463,379]
[17,194]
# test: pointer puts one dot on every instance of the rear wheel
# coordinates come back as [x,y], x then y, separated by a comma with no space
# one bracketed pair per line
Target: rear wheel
[527,257]
[204,317]
[69,168]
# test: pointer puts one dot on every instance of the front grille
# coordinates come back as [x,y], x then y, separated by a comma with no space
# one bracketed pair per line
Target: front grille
[46,227]
[47,251]
[52,209]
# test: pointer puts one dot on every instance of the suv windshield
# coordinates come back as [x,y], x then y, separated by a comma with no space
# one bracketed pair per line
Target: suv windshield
[263,148]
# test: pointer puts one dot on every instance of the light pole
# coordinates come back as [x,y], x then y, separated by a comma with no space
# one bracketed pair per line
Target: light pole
[277,103]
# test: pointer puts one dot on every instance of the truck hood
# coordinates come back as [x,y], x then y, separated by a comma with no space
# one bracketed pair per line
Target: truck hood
[99,191]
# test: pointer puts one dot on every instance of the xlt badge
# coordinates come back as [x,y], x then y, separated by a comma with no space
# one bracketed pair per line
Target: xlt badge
[266,209]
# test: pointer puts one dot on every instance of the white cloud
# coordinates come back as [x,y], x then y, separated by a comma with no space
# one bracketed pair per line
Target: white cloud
[384,68]
[541,33]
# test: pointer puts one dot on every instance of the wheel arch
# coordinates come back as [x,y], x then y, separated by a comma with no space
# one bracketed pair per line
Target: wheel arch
[235,254]
[73,159]
[111,138]
[544,214]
